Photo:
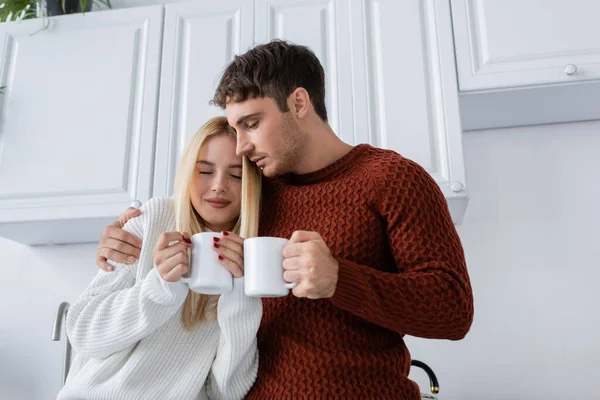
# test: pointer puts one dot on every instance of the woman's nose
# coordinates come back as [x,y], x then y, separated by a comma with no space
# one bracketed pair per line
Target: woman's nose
[219,183]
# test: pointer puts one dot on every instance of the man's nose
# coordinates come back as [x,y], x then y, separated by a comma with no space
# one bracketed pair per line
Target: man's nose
[243,146]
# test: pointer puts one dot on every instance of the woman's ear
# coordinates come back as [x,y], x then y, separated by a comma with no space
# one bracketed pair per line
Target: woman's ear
[299,102]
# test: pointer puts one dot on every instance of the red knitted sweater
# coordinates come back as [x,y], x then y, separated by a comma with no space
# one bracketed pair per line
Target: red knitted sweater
[402,271]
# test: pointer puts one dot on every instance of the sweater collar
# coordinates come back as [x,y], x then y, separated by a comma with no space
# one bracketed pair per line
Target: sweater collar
[327,172]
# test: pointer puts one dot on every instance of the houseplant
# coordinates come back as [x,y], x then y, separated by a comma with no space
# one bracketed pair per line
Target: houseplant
[18,10]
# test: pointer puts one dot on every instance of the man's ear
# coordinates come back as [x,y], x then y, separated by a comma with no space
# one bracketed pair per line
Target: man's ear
[299,103]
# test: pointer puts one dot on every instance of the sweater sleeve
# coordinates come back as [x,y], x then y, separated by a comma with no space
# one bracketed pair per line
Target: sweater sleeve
[235,366]
[116,311]
[431,295]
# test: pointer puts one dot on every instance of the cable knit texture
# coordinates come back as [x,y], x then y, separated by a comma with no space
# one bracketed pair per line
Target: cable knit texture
[401,271]
[130,343]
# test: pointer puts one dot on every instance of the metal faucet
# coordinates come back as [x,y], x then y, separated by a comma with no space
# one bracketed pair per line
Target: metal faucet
[61,317]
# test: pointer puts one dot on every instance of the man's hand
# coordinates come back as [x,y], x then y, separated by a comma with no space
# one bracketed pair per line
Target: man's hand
[118,245]
[308,261]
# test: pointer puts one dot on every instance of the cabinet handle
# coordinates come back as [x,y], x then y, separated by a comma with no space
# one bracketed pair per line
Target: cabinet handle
[135,204]
[570,69]
[456,187]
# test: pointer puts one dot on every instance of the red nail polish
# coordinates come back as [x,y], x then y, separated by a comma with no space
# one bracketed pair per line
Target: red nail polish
[216,245]
[216,239]
[221,257]
[187,240]
[225,233]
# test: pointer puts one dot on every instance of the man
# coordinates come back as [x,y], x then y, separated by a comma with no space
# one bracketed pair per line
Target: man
[372,246]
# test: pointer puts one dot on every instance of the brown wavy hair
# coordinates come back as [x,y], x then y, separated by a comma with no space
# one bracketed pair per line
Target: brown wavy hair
[273,70]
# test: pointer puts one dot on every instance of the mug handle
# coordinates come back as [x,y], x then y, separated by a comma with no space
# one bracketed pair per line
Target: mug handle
[186,277]
[290,285]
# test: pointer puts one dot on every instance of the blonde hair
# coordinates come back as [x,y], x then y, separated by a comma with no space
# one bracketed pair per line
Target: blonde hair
[197,306]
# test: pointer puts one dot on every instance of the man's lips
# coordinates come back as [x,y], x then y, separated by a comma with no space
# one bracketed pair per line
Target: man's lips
[257,160]
[218,203]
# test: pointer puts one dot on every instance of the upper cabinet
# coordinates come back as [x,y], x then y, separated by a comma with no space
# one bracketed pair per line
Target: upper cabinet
[391,76]
[99,107]
[325,27]
[512,43]
[200,39]
[409,77]
[77,122]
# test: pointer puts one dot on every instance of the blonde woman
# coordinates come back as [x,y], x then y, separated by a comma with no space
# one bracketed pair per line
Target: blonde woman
[138,332]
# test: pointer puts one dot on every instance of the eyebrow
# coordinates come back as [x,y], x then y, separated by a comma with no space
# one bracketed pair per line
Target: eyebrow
[245,117]
[204,162]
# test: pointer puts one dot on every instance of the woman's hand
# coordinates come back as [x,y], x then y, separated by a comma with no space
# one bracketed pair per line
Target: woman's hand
[230,249]
[171,255]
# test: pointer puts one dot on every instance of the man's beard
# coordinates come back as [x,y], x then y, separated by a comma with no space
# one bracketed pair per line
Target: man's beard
[293,144]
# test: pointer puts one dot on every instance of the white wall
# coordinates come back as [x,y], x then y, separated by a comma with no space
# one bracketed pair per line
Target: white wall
[532,240]
[531,237]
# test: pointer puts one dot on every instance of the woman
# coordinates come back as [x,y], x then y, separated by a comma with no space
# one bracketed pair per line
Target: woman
[138,332]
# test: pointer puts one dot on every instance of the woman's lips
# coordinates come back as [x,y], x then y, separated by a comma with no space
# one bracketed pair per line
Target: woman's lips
[218,203]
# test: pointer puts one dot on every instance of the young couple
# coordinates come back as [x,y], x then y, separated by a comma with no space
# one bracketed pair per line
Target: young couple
[372,248]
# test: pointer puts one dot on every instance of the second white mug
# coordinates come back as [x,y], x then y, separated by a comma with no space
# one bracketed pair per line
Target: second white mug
[263,267]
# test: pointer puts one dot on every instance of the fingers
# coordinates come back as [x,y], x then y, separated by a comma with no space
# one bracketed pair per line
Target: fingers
[166,238]
[304,236]
[233,267]
[102,264]
[126,217]
[230,248]
[291,264]
[113,231]
[128,214]
[174,275]
[122,247]
[294,249]
[171,268]
[114,255]
[292,276]
[160,256]
[232,236]
[171,255]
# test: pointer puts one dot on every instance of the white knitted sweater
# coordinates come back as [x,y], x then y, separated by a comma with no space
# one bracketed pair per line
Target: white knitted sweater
[129,341]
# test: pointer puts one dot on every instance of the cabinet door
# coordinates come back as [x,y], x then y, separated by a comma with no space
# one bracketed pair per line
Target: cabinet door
[519,43]
[200,39]
[409,81]
[324,26]
[77,122]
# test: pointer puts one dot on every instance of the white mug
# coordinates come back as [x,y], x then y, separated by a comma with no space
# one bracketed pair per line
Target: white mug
[205,274]
[263,267]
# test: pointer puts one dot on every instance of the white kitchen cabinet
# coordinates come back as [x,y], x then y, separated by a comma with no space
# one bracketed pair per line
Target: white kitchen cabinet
[200,39]
[411,92]
[511,43]
[391,76]
[77,122]
[99,107]
[325,27]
